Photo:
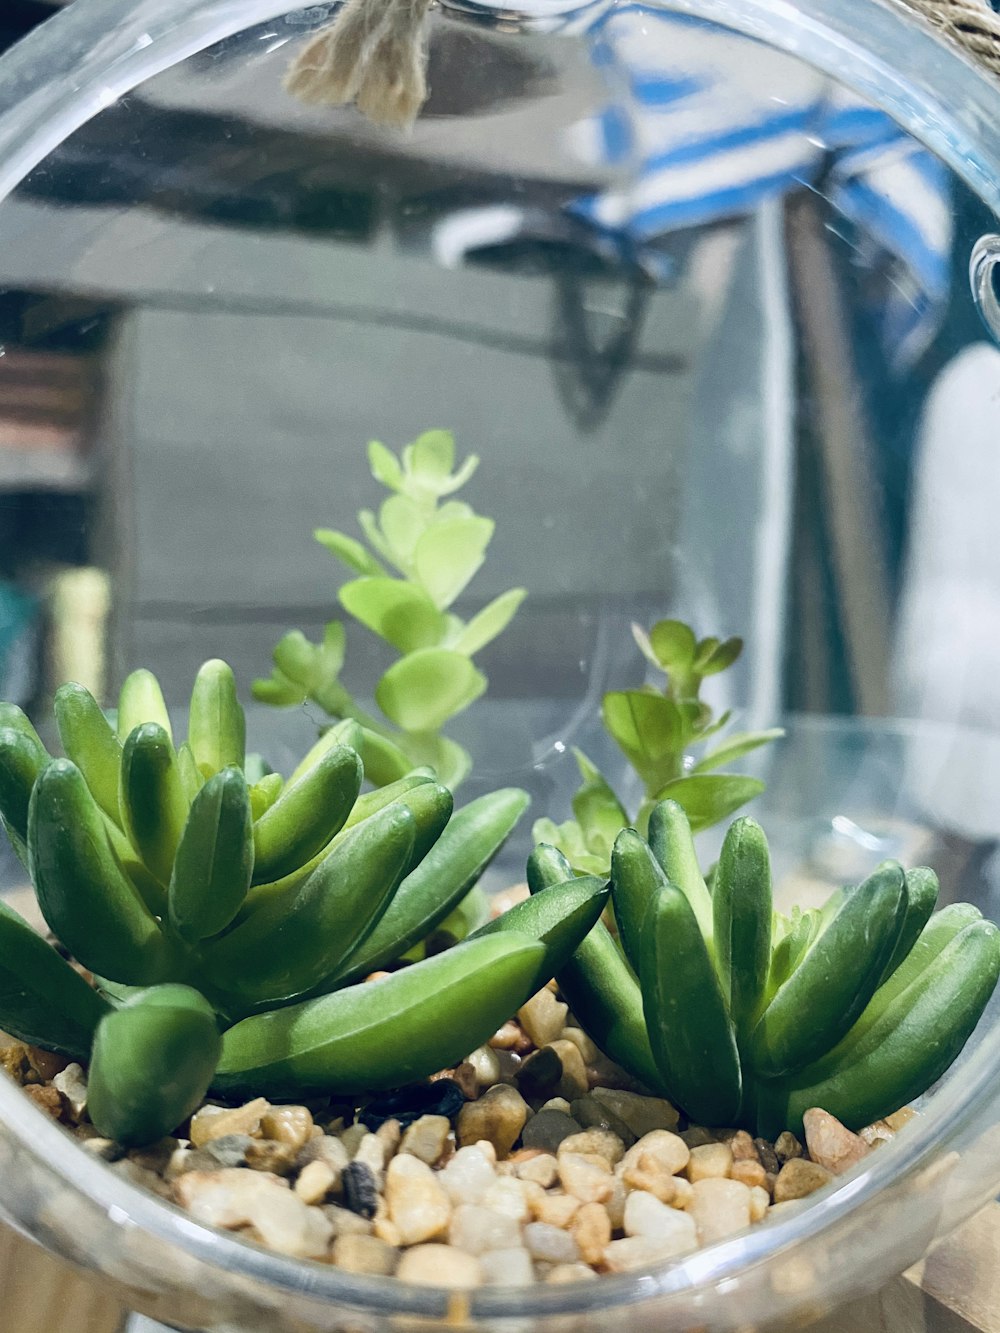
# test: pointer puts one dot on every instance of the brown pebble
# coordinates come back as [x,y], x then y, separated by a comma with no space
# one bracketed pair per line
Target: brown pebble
[591,1113]
[48,1099]
[743,1148]
[749,1172]
[591,1229]
[47,1064]
[799,1177]
[899,1118]
[498,1117]
[214,1122]
[540,1074]
[270,1155]
[696,1136]
[14,1061]
[466,1078]
[573,1082]
[786,1147]
[768,1157]
[287,1124]
[543,1017]
[709,1161]
[507,1037]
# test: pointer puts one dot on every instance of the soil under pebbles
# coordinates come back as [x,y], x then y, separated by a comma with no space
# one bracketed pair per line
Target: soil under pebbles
[535,1159]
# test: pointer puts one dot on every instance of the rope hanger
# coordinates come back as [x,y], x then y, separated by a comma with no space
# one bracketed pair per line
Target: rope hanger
[375,53]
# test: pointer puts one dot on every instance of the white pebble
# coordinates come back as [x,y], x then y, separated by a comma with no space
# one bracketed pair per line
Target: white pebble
[439,1266]
[476,1230]
[507,1268]
[417,1204]
[550,1244]
[507,1195]
[468,1175]
[675,1232]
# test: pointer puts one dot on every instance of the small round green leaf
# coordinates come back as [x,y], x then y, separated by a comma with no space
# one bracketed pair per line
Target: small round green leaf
[422,691]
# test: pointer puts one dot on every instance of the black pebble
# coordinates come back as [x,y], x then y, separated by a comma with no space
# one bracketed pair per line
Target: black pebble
[442,1097]
[360,1190]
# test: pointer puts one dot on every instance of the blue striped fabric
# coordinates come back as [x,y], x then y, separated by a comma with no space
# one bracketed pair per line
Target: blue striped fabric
[715,123]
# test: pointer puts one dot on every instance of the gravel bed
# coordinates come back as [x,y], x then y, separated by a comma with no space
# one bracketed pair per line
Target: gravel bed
[536,1159]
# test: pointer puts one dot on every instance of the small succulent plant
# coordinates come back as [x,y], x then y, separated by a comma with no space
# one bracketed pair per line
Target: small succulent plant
[436,545]
[228,923]
[655,729]
[743,1016]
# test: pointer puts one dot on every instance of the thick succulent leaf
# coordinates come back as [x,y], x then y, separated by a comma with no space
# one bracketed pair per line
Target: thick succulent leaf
[560,919]
[153,801]
[397,611]
[217,728]
[690,1031]
[489,623]
[449,554]
[214,862]
[22,759]
[742,911]
[279,953]
[422,691]
[306,815]
[141,700]
[446,874]
[84,895]
[43,1000]
[90,741]
[386,1033]
[152,1064]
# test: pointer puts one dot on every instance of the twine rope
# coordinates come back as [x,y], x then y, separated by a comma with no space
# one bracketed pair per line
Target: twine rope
[375,53]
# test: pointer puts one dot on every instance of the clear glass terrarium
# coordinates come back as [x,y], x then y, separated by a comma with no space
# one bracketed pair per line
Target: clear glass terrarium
[694,282]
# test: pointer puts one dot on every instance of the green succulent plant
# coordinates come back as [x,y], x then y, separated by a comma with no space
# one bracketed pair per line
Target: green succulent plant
[655,730]
[743,1016]
[436,545]
[228,924]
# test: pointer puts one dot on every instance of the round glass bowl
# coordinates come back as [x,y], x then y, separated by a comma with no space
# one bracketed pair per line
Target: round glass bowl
[693,281]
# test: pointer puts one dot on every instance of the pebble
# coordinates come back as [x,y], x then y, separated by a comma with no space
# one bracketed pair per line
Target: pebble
[798,1177]
[316,1180]
[507,1195]
[632,1252]
[541,1167]
[554,1207]
[541,1073]
[507,1268]
[550,1244]
[48,1099]
[647,1217]
[364,1254]
[346,1223]
[830,1143]
[417,1204]
[266,1155]
[768,1157]
[498,1117]
[468,1175]
[486,1066]
[742,1146]
[440,1266]
[329,1149]
[710,1161]
[750,1173]
[719,1208]
[760,1202]
[599,1142]
[371,1152]
[547,1129]
[443,1096]
[476,1229]
[591,1113]
[560,1273]
[287,1124]
[543,1017]
[654,1162]
[591,1229]
[573,1081]
[556,1104]
[787,1146]
[72,1083]
[586,1176]
[641,1114]
[360,1189]
[426,1138]
[213,1122]
[229,1149]
[233,1198]
[507,1038]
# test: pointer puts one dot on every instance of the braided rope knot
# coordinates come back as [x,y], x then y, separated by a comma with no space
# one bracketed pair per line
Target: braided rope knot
[375,53]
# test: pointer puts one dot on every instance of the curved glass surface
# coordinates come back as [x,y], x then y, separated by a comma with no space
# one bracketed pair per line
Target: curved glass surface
[693,282]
